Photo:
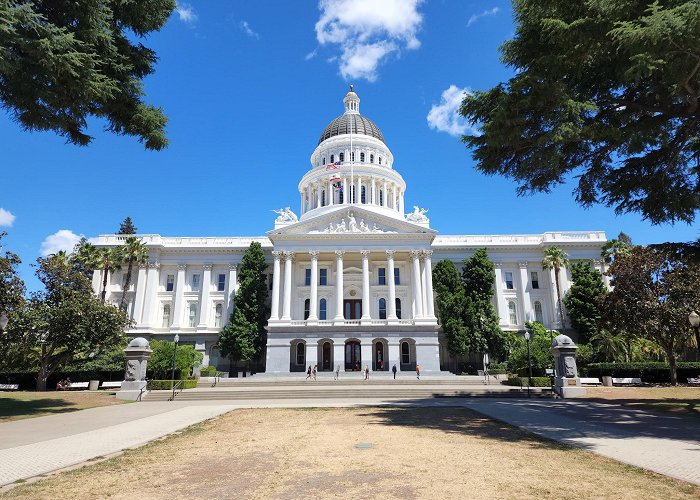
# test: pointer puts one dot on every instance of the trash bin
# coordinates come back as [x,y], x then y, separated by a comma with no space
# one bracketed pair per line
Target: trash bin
[607,381]
[93,385]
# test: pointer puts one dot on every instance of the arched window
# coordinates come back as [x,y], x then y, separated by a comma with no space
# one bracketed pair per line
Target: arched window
[381,198]
[307,305]
[353,195]
[398,307]
[301,354]
[323,198]
[512,313]
[380,160]
[363,197]
[405,353]
[538,312]
[332,158]
[352,156]
[382,308]
[362,157]
[371,158]
[324,160]
[166,315]
[341,196]
[322,309]
[193,315]
[218,313]
[341,157]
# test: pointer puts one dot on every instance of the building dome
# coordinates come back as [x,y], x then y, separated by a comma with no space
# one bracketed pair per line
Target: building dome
[351,121]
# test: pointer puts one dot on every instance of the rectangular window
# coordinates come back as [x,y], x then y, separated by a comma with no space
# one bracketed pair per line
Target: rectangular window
[397,276]
[218,313]
[307,277]
[170,283]
[193,315]
[509,280]
[270,279]
[381,273]
[166,316]
[323,277]
[535,279]
[221,283]
[322,310]
[195,282]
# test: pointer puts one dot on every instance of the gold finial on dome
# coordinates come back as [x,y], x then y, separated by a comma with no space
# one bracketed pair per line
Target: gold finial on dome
[351,88]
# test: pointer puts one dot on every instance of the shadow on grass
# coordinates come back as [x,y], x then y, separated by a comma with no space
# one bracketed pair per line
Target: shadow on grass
[15,407]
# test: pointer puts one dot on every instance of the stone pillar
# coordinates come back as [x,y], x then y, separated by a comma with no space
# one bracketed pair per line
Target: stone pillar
[500,301]
[599,265]
[339,286]
[140,293]
[556,321]
[366,353]
[287,303]
[566,381]
[391,306]
[429,300]
[318,194]
[149,309]
[204,297]
[423,284]
[301,195]
[137,354]
[339,354]
[346,193]
[275,301]
[524,294]
[373,192]
[313,298]
[231,289]
[365,285]
[385,200]
[416,282]
[394,354]
[312,352]
[358,190]
[401,207]
[179,295]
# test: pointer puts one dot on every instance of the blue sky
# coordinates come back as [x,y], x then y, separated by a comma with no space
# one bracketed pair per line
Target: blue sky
[248,87]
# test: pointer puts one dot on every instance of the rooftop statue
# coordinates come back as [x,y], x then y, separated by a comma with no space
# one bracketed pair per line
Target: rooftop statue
[418,215]
[286,215]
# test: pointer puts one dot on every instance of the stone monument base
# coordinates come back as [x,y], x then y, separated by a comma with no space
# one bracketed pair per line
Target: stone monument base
[131,390]
[569,388]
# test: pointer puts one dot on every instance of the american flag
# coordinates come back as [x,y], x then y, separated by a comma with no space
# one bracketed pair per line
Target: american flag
[333,166]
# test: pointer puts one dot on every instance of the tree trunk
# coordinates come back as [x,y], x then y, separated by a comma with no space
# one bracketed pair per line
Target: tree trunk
[103,295]
[672,365]
[42,377]
[561,310]
[127,284]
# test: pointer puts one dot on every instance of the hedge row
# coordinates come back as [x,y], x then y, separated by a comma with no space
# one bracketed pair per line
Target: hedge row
[652,372]
[27,380]
[159,385]
[536,381]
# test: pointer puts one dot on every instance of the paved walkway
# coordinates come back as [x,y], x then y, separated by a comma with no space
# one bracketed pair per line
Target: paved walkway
[660,442]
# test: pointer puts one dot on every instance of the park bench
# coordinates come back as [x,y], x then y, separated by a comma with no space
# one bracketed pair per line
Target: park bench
[590,381]
[627,381]
[78,385]
[691,381]
[9,387]
[111,385]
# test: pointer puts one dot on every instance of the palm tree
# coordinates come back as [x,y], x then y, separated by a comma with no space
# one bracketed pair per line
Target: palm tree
[134,251]
[616,247]
[556,258]
[87,256]
[611,345]
[110,261]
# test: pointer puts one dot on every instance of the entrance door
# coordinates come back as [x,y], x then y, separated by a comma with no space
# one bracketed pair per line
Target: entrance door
[353,308]
[353,358]
[379,364]
[326,357]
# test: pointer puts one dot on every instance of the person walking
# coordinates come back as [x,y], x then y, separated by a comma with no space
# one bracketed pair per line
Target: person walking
[313,372]
[393,369]
[308,373]
[366,372]
[418,372]
[337,372]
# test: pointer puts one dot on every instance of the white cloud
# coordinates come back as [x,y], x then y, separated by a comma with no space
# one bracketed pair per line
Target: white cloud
[444,117]
[475,17]
[245,27]
[6,218]
[311,55]
[367,32]
[186,12]
[64,239]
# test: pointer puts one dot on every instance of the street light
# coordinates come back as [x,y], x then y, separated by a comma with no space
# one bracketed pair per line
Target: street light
[4,320]
[694,319]
[529,363]
[177,339]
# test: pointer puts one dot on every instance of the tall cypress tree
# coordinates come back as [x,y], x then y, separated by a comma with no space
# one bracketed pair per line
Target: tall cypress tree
[243,338]
[583,299]
[452,306]
[127,227]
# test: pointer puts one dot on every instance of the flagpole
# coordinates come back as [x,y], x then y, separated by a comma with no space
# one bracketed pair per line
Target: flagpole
[352,165]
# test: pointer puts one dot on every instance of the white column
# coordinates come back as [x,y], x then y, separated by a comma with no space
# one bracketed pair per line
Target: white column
[313,299]
[391,306]
[301,195]
[366,353]
[140,293]
[365,285]
[523,294]
[179,295]
[339,285]
[204,297]
[423,284]
[394,355]
[384,196]
[358,190]
[500,301]
[330,193]
[339,354]
[416,281]
[231,288]
[373,190]
[275,301]
[318,194]
[556,321]
[312,352]
[287,303]
[401,207]
[429,300]
[346,193]
[599,265]
[149,309]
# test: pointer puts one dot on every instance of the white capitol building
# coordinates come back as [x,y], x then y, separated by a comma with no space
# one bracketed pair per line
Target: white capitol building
[350,278]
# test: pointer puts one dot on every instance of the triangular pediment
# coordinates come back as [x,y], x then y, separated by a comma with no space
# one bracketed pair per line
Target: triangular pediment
[351,221]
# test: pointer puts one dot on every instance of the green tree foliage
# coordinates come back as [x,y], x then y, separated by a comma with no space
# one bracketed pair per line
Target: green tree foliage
[87,256]
[555,258]
[110,260]
[243,338]
[127,227]
[616,246]
[540,357]
[161,363]
[11,285]
[607,92]
[452,306]
[133,251]
[63,62]
[652,294]
[583,299]
[65,321]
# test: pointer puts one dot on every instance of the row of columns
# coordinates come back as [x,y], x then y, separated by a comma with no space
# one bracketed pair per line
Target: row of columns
[311,194]
[422,281]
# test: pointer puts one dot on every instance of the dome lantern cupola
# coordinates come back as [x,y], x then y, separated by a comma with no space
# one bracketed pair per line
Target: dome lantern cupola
[352,102]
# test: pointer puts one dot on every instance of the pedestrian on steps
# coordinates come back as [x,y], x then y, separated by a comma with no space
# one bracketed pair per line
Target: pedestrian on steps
[313,372]
[366,372]
[337,372]
[418,372]
[393,369]
[308,373]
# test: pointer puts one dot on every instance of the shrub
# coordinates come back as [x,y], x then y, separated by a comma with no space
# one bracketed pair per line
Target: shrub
[653,372]
[159,385]
[522,381]
[208,371]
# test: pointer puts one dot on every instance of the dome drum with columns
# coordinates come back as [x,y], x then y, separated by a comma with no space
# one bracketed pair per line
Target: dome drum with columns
[350,279]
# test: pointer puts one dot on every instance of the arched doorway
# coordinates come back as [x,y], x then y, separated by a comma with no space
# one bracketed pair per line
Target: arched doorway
[326,359]
[379,355]
[353,356]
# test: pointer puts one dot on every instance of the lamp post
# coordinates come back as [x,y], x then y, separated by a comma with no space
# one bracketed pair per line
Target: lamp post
[529,363]
[694,319]
[4,320]
[177,339]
